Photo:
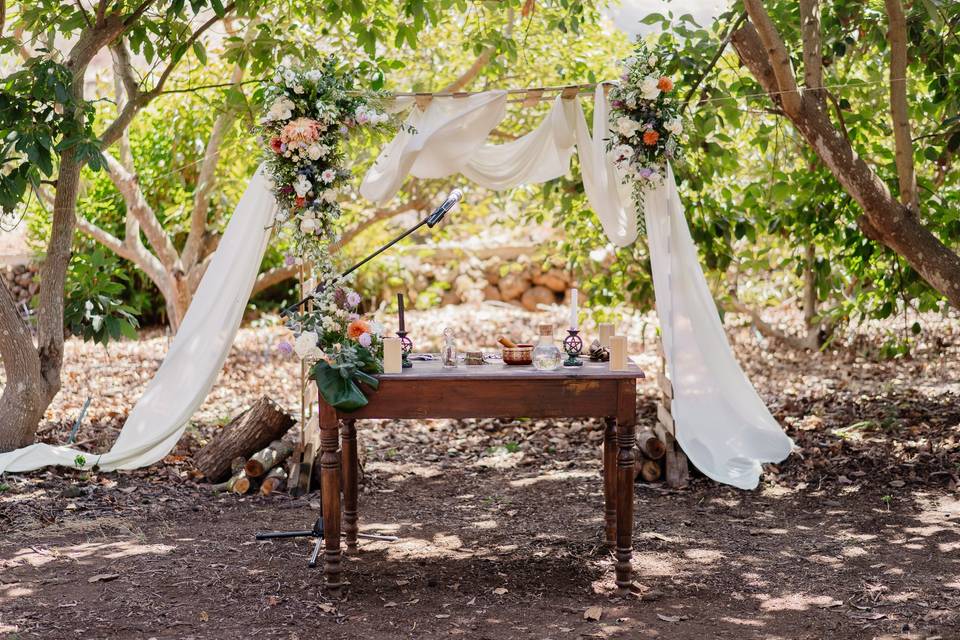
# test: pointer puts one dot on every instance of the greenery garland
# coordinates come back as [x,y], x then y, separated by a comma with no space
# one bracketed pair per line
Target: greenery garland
[645,125]
[308,115]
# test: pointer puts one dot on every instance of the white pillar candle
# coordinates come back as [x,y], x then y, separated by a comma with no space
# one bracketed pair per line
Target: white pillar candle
[606,330]
[573,309]
[618,353]
[392,357]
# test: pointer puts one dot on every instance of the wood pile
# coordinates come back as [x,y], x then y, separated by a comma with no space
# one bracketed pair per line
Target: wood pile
[518,280]
[21,281]
[249,451]
[659,456]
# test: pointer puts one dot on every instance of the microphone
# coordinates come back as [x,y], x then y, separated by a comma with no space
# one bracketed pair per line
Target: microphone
[455,196]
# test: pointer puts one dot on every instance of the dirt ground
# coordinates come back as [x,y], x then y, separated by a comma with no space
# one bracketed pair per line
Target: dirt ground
[856,535]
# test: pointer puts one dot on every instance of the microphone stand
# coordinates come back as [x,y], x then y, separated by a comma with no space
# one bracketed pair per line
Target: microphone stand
[431,220]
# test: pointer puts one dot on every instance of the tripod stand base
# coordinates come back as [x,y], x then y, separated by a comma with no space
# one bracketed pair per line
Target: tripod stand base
[317,532]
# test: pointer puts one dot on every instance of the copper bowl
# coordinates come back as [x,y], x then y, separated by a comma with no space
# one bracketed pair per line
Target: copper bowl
[520,354]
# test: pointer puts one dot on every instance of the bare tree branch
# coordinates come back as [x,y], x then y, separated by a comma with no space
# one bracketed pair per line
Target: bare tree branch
[765,328]
[272,277]
[137,205]
[777,54]
[899,111]
[379,215]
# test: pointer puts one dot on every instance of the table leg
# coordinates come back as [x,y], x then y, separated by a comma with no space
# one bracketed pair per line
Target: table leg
[350,467]
[610,482]
[330,494]
[626,441]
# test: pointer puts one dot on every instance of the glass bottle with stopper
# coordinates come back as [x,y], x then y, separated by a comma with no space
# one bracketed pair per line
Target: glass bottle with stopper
[546,355]
[448,354]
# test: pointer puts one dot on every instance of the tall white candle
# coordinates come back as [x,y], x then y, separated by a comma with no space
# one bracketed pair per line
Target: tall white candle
[573,308]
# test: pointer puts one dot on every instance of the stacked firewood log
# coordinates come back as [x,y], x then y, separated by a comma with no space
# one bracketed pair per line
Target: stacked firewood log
[659,456]
[248,454]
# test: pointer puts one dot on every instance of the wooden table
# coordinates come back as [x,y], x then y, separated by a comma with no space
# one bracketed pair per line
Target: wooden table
[428,390]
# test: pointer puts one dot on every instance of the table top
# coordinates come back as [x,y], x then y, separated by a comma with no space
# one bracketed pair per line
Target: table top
[433,370]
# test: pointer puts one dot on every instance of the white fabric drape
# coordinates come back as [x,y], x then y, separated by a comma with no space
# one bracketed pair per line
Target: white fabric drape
[196,355]
[722,424]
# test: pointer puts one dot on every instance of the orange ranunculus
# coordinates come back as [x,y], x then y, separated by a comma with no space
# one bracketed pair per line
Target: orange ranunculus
[665,84]
[301,202]
[650,137]
[357,328]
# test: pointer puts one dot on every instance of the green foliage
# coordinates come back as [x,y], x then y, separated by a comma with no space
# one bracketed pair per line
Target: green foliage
[39,119]
[93,305]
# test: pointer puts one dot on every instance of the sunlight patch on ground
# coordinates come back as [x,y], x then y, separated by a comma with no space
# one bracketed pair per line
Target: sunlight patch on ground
[742,622]
[39,556]
[441,546]
[655,565]
[796,602]
[484,524]
[400,470]
[553,476]
[703,556]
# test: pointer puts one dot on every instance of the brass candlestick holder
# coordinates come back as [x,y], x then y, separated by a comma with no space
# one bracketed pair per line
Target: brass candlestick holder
[573,345]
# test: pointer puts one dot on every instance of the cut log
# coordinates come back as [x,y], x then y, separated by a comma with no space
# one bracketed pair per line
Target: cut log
[650,445]
[276,480]
[236,466]
[647,469]
[251,431]
[240,483]
[665,419]
[266,459]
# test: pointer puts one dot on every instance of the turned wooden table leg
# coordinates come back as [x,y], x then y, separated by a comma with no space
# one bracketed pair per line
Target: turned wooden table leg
[349,465]
[626,440]
[610,482]
[330,494]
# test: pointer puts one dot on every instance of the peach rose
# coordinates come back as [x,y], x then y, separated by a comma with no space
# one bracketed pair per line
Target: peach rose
[357,328]
[665,84]
[650,137]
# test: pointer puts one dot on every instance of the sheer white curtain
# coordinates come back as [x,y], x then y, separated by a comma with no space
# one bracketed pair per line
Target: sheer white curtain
[196,355]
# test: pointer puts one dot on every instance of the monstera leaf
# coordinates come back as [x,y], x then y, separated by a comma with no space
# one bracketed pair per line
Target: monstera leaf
[339,385]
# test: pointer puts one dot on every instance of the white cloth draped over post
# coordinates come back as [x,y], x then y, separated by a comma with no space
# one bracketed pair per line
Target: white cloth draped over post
[196,354]
[721,422]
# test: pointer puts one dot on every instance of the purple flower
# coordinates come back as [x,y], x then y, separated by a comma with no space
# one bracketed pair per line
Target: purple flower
[646,172]
[353,316]
[283,146]
[285,348]
[353,299]
[365,340]
[617,104]
[289,260]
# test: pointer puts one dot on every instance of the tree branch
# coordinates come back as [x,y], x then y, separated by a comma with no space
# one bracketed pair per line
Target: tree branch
[777,55]
[207,176]
[112,133]
[378,216]
[899,112]
[272,277]
[482,60]
[765,328]
[713,61]
[137,206]
[812,47]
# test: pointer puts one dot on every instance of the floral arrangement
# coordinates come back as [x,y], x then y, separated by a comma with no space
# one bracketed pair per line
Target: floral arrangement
[645,123]
[308,115]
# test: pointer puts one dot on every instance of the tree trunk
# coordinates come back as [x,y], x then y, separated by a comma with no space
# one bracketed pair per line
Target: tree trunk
[22,405]
[884,219]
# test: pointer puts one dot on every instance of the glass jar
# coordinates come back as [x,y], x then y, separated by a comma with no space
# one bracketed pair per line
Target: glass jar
[448,354]
[546,355]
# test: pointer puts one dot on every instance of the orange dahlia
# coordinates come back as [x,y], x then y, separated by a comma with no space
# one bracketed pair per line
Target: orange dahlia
[357,328]
[650,137]
[665,84]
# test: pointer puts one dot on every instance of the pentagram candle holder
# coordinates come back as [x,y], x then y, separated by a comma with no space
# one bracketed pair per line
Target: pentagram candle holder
[573,345]
[406,346]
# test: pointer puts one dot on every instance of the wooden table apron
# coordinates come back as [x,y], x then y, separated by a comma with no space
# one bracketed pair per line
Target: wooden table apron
[489,391]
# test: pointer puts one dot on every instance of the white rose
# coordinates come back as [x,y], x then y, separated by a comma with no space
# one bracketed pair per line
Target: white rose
[649,89]
[281,109]
[306,346]
[674,126]
[627,127]
[314,152]
[314,76]
[302,186]
[308,225]
[329,195]
[652,61]
[298,89]
[623,151]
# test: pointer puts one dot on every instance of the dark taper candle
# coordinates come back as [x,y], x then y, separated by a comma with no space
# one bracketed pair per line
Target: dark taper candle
[400,309]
